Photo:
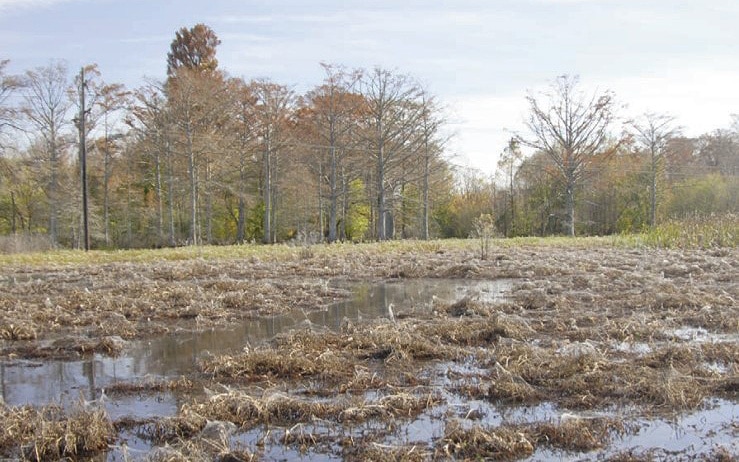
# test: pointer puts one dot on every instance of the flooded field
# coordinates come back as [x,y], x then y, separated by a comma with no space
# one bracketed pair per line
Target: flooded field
[413,353]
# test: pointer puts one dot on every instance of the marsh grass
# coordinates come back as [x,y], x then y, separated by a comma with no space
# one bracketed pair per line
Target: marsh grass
[511,442]
[591,324]
[51,433]
[694,232]
[376,452]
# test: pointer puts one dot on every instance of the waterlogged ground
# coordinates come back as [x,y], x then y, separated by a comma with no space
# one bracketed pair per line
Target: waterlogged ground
[578,351]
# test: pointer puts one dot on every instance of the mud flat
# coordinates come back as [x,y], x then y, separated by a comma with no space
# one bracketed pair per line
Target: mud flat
[583,350]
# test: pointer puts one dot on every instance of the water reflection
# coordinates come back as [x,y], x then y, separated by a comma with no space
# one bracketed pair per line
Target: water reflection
[66,382]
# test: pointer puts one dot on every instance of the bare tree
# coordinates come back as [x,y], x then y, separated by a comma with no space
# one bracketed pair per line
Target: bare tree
[196,111]
[508,163]
[8,113]
[244,130]
[431,145]
[652,133]
[333,112]
[112,98]
[150,122]
[46,108]
[274,104]
[571,128]
[392,113]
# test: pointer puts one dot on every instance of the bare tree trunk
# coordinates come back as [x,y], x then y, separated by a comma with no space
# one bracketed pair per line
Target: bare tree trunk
[53,188]
[657,159]
[170,197]
[160,201]
[333,194]
[425,192]
[208,203]
[570,206]
[321,212]
[241,224]
[193,187]
[267,186]
[381,206]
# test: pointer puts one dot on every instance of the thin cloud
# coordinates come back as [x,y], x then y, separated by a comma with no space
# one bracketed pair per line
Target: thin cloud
[10,5]
[270,19]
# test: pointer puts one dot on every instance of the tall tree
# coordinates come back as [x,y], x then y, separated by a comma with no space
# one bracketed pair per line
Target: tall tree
[194,49]
[571,128]
[719,151]
[195,104]
[431,146]
[392,112]
[332,113]
[273,110]
[8,113]
[245,130]
[508,163]
[652,133]
[46,108]
[150,122]
[194,91]
[112,99]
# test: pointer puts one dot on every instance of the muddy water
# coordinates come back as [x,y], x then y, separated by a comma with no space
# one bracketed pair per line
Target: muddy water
[67,382]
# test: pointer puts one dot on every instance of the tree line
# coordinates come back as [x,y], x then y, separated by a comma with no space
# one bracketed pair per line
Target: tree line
[205,158]
[583,179]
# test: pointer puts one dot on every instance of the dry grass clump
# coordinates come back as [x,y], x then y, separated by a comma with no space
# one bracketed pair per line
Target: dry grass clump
[717,454]
[579,376]
[277,408]
[476,331]
[508,387]
[51,433]
[149,386]
[284,361]
[509,442]
[395,343]
[333,357]
[67,347]
[577,434]
[375,452]
[187,424]
[665,387]
[14,331]
[392,406]
[199,450]
[273,408]
[261,365]
[476,443]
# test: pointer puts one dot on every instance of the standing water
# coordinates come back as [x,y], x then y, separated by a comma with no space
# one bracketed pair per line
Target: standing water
[65,382]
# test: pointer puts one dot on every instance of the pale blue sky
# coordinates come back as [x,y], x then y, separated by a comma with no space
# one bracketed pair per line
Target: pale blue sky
[479,57]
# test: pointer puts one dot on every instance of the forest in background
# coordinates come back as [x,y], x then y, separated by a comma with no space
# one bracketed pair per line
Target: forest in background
[205,158]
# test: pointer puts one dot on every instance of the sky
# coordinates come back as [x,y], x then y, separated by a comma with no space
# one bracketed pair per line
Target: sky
[480,58]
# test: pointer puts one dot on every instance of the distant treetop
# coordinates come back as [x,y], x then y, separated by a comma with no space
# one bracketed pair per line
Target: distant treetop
[193,49]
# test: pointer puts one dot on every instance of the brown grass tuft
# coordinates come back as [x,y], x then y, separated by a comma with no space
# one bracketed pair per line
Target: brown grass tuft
[50,433]
[502,443]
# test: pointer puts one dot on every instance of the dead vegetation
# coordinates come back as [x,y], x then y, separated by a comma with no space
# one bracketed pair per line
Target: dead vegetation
[53,433]
[511,442]
[584,329]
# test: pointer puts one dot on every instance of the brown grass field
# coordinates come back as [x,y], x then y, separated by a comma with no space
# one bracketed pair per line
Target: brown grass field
[596,339]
